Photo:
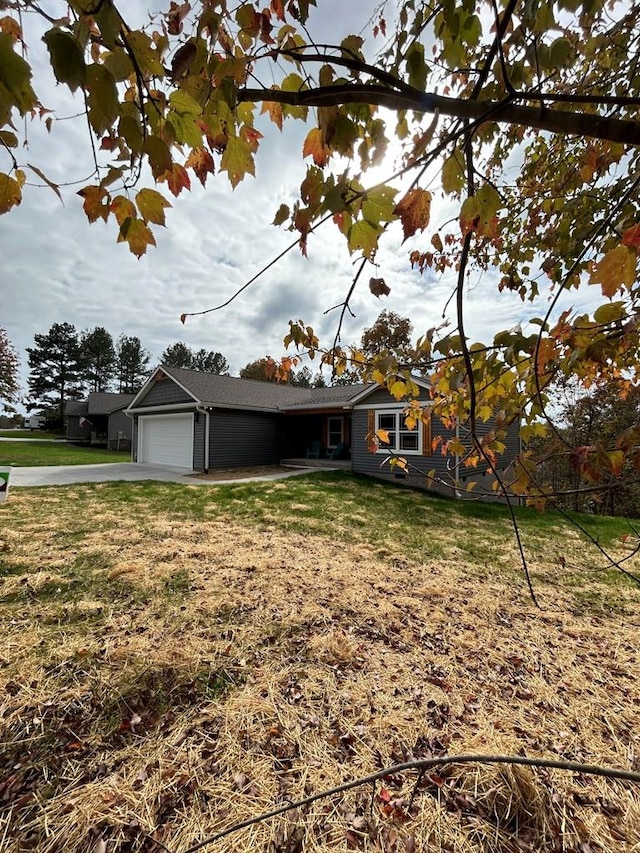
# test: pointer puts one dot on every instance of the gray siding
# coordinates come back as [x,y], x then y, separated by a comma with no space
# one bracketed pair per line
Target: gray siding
[244,438]
[163,393]
[119,423]
[75,432]
[364,462]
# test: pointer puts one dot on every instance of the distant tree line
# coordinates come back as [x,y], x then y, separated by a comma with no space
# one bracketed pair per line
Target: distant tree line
[66,365]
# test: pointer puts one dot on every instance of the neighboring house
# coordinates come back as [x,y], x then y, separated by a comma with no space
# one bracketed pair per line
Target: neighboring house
[100,419]
[201,421]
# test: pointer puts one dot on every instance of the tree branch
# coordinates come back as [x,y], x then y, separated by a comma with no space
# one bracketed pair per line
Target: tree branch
[539,118]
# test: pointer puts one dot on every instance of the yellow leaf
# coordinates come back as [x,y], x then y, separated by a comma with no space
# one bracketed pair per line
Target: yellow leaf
[398,389]
[137,235]
[10,193]
[383,436]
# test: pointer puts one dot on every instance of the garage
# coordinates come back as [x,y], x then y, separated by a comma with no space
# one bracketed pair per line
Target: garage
[166,440]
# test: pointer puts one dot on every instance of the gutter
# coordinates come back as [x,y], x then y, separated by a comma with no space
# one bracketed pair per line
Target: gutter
[167,407]
[207,428]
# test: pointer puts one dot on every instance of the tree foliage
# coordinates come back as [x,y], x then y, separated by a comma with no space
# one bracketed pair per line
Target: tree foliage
[132,364]
[389,332]
[207,361]
[9,371]
[519,135]
[98,358]
[56,373]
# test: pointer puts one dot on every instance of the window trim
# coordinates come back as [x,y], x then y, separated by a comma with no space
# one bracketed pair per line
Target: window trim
[398,412]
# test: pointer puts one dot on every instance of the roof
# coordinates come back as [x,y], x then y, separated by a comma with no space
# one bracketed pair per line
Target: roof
[210,389]
[76,407]
[103,403]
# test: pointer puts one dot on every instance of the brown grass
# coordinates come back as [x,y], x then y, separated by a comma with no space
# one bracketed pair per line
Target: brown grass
[207,671]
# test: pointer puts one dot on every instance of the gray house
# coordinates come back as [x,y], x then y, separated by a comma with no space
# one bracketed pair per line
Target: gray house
[100,419]
[203,421]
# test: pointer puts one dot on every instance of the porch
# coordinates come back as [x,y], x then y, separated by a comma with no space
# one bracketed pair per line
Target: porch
[326,464]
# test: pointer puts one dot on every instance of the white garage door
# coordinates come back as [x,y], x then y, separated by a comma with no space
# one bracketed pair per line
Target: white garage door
[166,440]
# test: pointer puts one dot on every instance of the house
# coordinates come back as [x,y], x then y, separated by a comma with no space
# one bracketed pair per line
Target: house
[202,421]
[100,419]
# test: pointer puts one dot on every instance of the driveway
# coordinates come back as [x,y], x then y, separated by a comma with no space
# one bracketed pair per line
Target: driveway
[62,475]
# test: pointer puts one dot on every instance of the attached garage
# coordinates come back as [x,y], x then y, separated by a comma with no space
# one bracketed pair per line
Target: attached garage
[166,440]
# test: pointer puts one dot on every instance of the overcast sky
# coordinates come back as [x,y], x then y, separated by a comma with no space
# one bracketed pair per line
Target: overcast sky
[58,268]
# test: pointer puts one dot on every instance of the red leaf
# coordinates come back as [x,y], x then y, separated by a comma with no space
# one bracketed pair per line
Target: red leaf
[177,179]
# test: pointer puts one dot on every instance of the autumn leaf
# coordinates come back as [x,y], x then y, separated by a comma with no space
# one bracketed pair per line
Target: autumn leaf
[15,78]
[201,161]
[378,287]
[237,160]
[95,202]
[182,59]
[314,147]
[137,235]
[67,58]
[123,208]
[151,205]
[362,235]
[616,270]
[282,214]
[177,179]
[479,212]
[383,436]
[631,236]
[10,192]
[414,210]
[275,112]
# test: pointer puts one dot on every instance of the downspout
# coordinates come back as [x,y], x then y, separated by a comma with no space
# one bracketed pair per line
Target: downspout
[207,426]
[457,463]
[129,415]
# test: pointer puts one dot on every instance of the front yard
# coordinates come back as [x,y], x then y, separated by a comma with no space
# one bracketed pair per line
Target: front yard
[36,453]
[176,659]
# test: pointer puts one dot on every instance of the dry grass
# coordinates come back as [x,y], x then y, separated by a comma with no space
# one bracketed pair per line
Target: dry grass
[174,676]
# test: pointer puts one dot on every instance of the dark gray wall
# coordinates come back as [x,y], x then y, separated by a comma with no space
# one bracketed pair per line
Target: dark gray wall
[119,422]
[75,432]
[244,438]
[364,462]
[164,392]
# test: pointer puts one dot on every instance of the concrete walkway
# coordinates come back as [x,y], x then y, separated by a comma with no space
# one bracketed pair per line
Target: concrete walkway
[64,475]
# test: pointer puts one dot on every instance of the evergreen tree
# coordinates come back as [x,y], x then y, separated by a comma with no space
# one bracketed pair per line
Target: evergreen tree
[132,364]
[98,358]
[56,369]
[9,367]
[207,361]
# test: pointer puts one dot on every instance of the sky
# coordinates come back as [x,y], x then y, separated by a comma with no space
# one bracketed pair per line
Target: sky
[56,267]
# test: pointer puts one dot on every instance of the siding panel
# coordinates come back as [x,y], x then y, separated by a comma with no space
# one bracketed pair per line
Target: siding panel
[199,429]
[244,438]
[165,392]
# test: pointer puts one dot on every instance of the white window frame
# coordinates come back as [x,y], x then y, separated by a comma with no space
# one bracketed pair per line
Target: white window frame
[398,413]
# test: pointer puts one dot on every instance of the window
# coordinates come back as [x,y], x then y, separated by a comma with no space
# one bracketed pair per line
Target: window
[334,432]
[401,439]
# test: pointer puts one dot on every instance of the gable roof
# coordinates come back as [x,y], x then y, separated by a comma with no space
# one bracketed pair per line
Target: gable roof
[213,391]
[103,403]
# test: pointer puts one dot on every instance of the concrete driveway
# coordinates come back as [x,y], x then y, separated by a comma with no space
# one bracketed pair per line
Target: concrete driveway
[60,475]
[63,475]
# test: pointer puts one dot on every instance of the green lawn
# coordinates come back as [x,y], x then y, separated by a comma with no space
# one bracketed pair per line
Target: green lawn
[30,433]
[34,453]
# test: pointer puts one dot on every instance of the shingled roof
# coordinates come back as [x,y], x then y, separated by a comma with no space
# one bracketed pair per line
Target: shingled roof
[210,389]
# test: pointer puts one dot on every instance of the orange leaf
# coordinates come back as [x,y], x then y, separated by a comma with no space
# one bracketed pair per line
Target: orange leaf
[616,270]
[414,211]
[123,208]
[314,147]
[96,202]
[202,164]
[177,179]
